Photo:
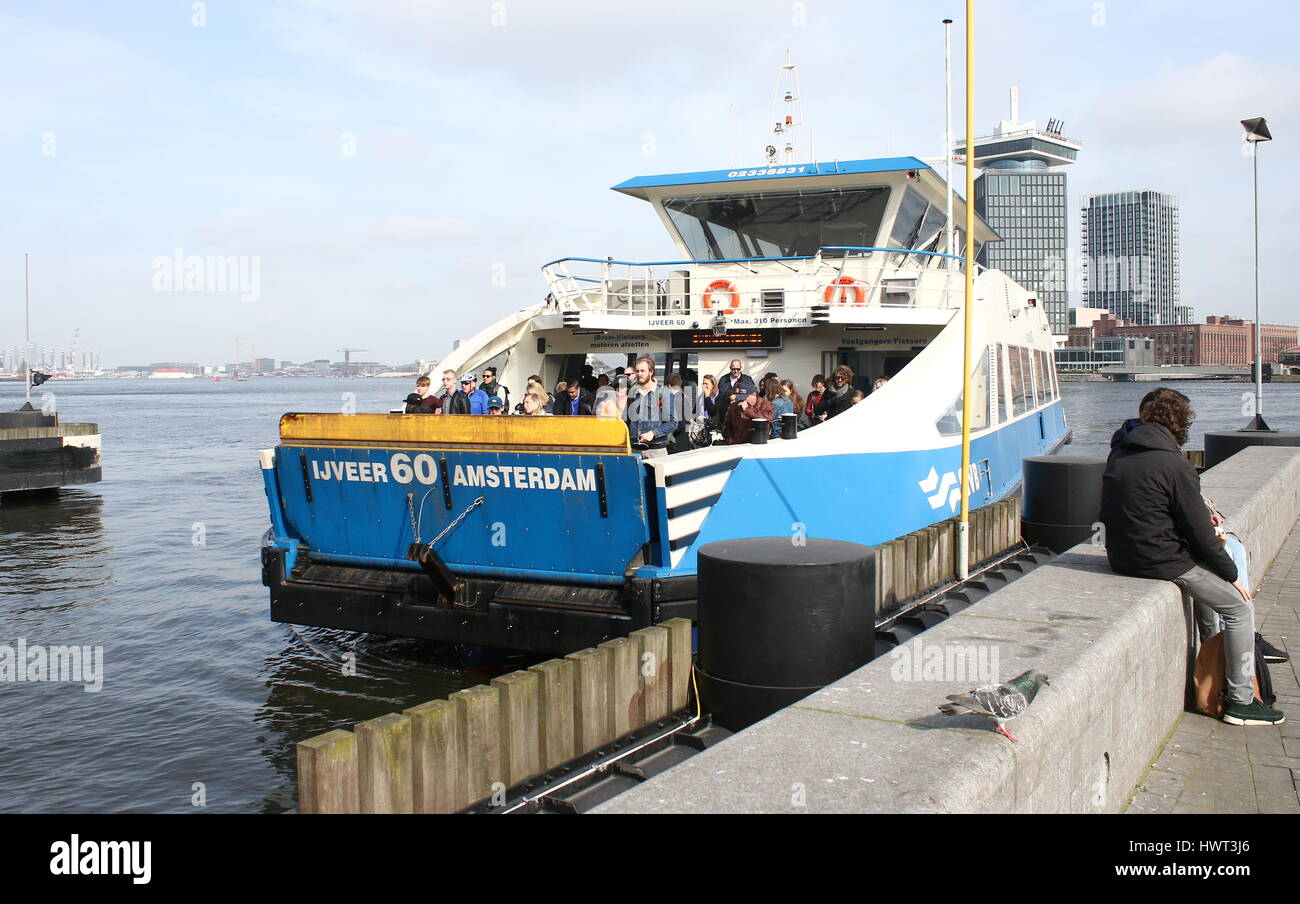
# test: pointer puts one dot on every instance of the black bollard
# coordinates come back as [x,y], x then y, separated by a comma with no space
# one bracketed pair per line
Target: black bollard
[789,425]
[1062,500]
[1220,445]
[779,620]
[760,430]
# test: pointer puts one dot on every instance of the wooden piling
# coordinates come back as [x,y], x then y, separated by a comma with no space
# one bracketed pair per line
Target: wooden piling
[591,723]
[521,748]
[478,716]
[625,709]
[912,556]
[899,555]
[384,764]
[438,783]
[652,663]
[557,714]
[327,773]
[680,663]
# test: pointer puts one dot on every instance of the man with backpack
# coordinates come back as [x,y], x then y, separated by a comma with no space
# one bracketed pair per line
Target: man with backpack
[1157,526]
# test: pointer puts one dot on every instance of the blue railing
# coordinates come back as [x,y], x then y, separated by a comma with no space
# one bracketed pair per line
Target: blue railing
[746,260]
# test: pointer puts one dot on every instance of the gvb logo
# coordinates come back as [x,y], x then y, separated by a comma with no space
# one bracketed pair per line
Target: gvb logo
[103,858]
[939,490]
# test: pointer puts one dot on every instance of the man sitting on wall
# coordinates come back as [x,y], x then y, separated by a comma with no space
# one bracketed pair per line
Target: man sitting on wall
[1157,526]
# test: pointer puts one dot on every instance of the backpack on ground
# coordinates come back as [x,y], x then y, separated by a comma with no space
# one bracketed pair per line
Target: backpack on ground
[1211,678]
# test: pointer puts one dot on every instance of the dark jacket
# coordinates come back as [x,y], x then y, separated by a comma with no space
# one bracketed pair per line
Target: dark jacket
[651,411]
[726,386]
[834,402]
[430,404]
[737,427]
[496,389]
[1157,525]
[456,403]
[564,404]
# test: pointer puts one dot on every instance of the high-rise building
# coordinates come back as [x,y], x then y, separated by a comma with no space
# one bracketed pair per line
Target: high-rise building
[1130,256]
[1022,195]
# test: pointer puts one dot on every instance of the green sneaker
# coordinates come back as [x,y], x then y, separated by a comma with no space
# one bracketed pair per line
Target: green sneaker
[1252,713]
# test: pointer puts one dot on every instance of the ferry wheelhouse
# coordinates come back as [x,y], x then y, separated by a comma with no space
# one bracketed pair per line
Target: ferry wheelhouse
[553,533]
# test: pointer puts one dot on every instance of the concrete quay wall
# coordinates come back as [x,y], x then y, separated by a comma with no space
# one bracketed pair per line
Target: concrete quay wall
[1114,647]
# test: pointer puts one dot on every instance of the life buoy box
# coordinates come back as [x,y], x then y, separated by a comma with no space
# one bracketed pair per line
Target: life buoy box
[841,288]
[721,286]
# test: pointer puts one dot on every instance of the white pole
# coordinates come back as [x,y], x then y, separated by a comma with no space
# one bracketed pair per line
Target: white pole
[968,301]
[1259,351]
[947,143]
[27,305]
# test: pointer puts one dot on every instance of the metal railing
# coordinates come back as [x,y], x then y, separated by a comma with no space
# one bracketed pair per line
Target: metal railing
[836,276]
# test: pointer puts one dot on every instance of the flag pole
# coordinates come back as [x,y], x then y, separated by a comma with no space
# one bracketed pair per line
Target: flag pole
[950,247]
[963,526]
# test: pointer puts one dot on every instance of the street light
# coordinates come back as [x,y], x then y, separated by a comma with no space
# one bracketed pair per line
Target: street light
[1257,131]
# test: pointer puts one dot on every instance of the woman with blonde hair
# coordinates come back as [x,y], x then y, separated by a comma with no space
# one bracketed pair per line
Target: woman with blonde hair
[534,403]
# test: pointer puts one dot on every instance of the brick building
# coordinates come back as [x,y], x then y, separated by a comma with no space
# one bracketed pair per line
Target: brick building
[1223,341]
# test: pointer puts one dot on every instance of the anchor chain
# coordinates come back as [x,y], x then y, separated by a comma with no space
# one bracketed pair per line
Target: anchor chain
[410,506]
[473,505]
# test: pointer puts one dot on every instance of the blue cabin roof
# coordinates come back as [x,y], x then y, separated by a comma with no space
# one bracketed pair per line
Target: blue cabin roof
[788,171]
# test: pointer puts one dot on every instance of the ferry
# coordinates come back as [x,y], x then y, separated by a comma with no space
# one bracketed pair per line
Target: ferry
[549,534]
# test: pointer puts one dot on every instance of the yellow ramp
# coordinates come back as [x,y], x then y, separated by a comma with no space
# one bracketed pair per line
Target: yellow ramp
[457,431]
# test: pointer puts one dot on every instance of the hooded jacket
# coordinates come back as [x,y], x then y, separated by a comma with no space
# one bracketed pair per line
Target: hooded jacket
[1157,525]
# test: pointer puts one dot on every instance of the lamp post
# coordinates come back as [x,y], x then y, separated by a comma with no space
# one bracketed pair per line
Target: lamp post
[1257,131]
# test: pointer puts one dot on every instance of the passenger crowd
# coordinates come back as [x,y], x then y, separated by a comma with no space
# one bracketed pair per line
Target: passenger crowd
[673,416]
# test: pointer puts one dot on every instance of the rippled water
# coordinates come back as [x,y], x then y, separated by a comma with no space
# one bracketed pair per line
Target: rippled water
[159,565]
[199,684]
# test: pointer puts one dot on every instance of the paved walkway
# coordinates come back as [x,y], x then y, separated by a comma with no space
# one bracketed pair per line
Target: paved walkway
[1207,766]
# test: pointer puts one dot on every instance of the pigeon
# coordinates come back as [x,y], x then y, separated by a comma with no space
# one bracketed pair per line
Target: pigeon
[999,702]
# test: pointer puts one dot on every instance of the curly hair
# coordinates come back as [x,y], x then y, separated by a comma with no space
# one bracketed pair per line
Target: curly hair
[1170,409]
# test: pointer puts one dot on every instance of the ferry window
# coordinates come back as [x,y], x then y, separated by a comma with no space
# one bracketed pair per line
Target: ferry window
[1002,384]
[1043,384]
[777,224]
[910,221]
[949,422]
[1027,368]
[1022,384]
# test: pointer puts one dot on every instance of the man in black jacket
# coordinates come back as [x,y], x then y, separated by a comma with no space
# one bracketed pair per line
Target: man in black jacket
[574,400]
[453,400]
[1157,526]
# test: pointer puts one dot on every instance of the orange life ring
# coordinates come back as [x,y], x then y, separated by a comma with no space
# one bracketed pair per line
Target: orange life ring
[721,285]
[840,288]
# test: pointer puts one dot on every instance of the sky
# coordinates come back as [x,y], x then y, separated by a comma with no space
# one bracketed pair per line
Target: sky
[392,174]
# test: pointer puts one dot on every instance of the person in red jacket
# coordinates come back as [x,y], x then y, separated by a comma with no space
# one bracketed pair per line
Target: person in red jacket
[745,406]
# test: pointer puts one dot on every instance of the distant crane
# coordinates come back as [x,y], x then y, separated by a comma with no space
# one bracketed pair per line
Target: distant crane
[347,359]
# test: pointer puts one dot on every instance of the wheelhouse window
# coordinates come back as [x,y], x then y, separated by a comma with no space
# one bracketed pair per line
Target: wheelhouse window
[777,224]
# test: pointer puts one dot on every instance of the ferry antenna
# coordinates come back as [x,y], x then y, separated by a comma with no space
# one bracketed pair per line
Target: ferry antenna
[787,116]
